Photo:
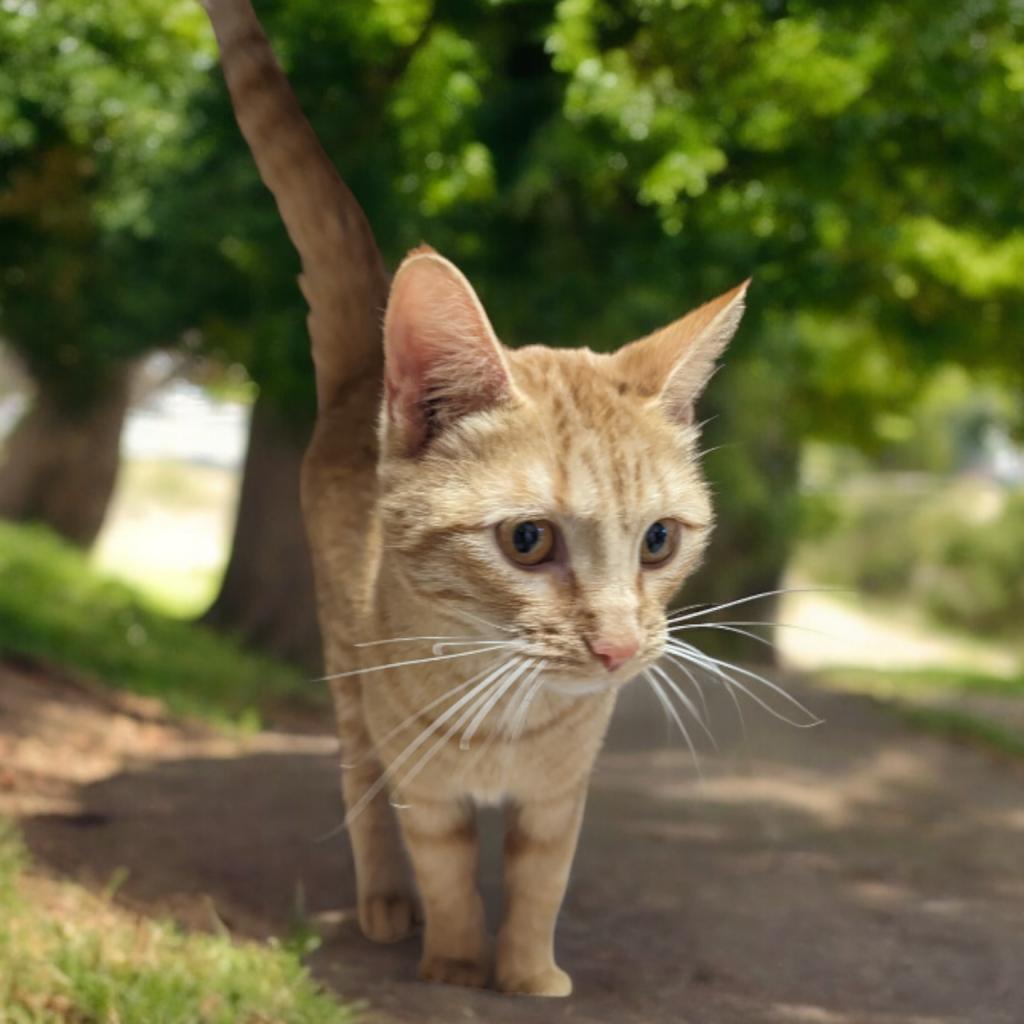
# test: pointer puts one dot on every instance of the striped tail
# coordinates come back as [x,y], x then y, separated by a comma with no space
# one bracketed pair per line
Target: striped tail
[343,277]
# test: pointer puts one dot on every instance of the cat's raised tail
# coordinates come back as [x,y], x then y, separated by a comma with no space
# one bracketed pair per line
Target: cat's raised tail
[343,276]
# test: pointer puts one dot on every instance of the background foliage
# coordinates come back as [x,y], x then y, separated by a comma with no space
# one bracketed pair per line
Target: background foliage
[93,111]
[596,169]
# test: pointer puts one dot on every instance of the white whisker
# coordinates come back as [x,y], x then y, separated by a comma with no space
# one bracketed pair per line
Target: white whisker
[680,663]
[723,627]
[420,712]
[755,597]
[523,689]
[697,656]
[670,710]
[522,686]
[523,711]
[767,623]
[712,672]
[403,664]
[686,702]
[405,640]
[499,692]
[438,648]
[422,738]
[494,681]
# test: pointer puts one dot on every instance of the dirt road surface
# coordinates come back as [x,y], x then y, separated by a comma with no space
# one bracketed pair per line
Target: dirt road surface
[856,873]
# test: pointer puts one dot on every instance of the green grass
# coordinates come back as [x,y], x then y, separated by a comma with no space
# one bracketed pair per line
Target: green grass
[908,693]
[55,607]
[72,957]
[964,728]
[915,682]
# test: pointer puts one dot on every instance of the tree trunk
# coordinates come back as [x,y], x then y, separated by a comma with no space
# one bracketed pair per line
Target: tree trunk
[266,598]
[60,465]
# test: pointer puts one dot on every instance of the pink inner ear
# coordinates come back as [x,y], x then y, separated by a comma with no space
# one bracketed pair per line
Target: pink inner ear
[442,360]
[403,386]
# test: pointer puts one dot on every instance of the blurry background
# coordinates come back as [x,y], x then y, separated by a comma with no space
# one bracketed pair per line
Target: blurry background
[596,168]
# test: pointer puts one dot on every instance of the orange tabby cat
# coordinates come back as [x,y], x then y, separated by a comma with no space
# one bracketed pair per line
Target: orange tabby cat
[493,561]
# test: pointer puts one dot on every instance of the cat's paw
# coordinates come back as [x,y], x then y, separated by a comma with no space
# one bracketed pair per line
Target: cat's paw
[388,917]
[448,971]
[551,981]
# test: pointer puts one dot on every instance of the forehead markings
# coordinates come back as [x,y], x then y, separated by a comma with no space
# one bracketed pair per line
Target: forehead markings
[600,454]
[562,428]
[617,458]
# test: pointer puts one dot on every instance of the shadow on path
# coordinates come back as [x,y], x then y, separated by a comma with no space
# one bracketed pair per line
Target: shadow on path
[856,873]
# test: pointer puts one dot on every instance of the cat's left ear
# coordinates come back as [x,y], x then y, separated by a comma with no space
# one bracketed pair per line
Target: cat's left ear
[442,359]
[677,362]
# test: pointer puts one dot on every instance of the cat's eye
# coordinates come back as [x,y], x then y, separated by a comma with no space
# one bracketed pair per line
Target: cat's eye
[659,542]
[527,541]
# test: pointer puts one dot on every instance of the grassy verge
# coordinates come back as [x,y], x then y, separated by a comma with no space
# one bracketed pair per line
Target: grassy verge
[955,705]
[67,956]
[55,607]
[964,728]
[918,682]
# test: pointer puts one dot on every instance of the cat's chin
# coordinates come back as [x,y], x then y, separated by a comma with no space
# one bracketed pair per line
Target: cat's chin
[584,686]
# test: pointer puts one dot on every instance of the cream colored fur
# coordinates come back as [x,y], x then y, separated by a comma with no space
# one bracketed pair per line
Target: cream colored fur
[601,445]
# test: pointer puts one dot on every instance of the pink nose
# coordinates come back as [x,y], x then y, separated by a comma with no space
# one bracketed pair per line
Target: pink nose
[614,654]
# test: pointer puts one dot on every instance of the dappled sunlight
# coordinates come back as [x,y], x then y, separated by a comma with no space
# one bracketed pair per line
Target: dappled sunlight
[828,809]
[680,831]
[799,1013]
[836,840]
[881,895]
[842,629]
[1012,819]
[874,782]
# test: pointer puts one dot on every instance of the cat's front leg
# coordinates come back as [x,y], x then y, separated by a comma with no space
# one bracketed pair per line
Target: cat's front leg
[441,839]
[540,840]
[384,891]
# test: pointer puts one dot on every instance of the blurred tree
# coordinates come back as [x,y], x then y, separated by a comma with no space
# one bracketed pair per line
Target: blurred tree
[596,168]
[91,104]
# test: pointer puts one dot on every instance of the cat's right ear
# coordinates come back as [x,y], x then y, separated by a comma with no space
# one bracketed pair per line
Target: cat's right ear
[442,359]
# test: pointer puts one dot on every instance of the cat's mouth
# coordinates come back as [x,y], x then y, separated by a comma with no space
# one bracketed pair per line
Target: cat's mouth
[575,678]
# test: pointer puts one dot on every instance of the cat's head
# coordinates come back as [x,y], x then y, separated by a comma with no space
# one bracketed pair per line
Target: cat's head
[555,493]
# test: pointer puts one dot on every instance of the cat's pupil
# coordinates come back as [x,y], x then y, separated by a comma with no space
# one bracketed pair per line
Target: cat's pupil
[657,536]
[525,537]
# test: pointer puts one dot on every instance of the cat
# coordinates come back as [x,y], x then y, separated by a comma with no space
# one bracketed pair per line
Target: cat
[496,535]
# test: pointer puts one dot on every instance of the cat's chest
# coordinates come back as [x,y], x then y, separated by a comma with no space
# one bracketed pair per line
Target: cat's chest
[433,746]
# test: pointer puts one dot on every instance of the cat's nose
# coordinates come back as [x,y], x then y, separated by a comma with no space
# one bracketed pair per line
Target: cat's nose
[615,653]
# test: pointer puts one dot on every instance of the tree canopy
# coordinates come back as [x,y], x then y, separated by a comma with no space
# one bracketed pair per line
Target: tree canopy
[596,168]
[94,103]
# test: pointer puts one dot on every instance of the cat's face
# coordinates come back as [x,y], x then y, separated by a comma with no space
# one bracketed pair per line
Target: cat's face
[555,494]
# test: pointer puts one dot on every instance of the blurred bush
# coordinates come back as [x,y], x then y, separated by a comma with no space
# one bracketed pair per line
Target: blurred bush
[594,167]
[955,549]
[56,609]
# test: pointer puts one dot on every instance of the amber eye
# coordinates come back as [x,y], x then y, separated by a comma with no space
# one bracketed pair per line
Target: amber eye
[659,542]
[527,541]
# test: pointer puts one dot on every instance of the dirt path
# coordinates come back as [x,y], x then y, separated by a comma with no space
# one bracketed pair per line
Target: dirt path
[856,873]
